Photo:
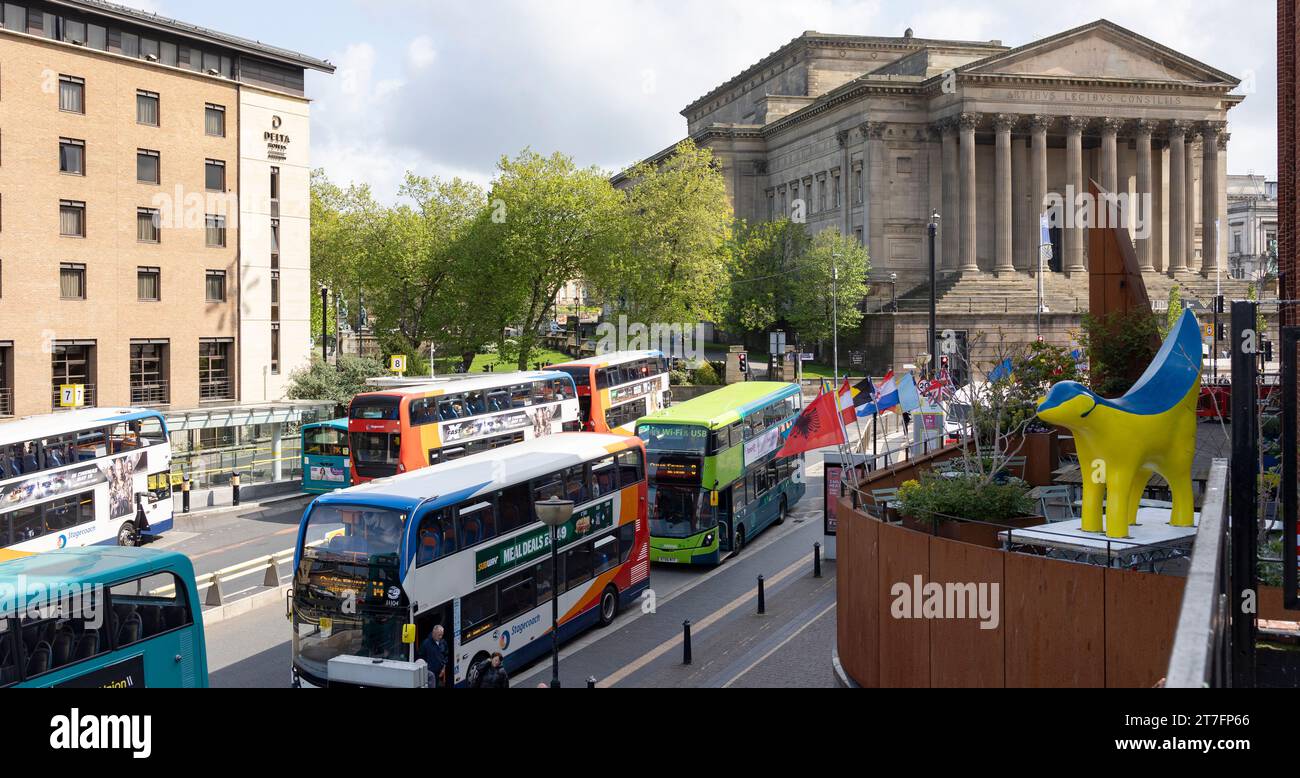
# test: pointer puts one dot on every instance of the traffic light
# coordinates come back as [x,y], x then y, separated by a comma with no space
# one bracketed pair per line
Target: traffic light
[944,362]
[1221,333]
[744,364]
[1268,351]
[1218,305]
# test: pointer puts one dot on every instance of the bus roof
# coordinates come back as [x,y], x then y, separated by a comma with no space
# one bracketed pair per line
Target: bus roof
[453,482]
[435,387]
[725,406]
[616,358]
[338,424]
[92,565]
[52,424]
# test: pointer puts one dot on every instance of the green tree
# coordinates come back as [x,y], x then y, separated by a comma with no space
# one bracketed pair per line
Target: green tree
[1175,311]
[548,222]
[1120,346]
[813,279]
[323,381]
[677,225]
[760,284]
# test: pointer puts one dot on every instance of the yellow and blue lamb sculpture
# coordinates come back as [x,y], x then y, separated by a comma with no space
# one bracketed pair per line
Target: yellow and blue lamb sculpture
[1152,429]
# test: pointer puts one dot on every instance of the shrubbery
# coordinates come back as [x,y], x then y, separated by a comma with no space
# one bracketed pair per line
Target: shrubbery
[965,497]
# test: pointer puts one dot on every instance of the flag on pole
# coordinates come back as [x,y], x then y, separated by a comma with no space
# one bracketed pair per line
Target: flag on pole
[886,397]
[1003,372]
[848,411]
[863,393]
[909,397]
[817,427]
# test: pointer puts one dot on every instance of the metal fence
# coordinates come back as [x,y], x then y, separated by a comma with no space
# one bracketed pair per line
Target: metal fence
[1200,656]
[6,401]
[152,393]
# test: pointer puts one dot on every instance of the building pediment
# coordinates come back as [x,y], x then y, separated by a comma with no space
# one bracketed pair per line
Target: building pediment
[1100,50]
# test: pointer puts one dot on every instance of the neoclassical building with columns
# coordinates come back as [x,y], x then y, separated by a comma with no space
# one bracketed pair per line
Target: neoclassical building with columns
[872,135]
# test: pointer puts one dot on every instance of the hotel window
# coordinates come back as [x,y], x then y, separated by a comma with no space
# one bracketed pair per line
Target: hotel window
[72,219]
[97,37]
[216,286]
[72,281]
[275,243]
[148,167]
[821,194]
[148,284]
[214,370]
[275,349]
[216,231]
[73,364]
[148,372]
[214,120]
[74,31]
[275,296]
[147,225]
[149,49]
[275,191]
[15,17]
[72,157]
[146,108]
[72,94]
[169,56]
[215,175]
[130,44]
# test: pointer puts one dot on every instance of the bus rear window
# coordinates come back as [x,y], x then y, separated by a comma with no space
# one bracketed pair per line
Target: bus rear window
[376,408]
[581,375]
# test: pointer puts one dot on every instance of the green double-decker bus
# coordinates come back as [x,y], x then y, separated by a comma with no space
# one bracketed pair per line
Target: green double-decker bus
[715,478]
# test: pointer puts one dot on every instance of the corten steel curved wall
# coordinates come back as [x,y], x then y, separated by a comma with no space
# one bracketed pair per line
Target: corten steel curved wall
[1061,624]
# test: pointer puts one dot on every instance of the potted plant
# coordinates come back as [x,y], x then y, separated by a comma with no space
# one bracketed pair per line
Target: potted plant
[967,507]
[1271,601]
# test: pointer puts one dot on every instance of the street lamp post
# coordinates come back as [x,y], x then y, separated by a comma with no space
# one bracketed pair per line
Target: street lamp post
[324,323]
[934,310]
[835,313]
[555,513]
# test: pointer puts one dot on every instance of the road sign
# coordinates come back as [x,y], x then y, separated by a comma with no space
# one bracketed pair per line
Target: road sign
[72,396]
[398,365]
[807,357]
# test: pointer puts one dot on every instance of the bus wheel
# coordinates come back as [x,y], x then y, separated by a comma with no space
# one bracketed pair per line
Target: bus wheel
[785,511]
[608,606]
[739,544]
[476,668]
[126,536]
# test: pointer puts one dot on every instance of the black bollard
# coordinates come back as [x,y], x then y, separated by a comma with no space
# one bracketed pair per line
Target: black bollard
[762,600]
[185,495]
[591,682]
[234,490]
[817,560]
[686,642]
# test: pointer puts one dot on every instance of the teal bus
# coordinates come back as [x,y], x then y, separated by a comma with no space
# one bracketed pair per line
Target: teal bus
[326,464]
[715,478]
[100,617]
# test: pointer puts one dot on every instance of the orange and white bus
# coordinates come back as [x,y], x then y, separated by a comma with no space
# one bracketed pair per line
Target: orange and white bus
[615,390]
[402,429]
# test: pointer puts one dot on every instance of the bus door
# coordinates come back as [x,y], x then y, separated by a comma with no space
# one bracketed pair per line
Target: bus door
[443,615]
[726,520]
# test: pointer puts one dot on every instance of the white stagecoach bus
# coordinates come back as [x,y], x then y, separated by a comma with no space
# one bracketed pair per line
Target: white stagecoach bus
[460,545]
[83,478]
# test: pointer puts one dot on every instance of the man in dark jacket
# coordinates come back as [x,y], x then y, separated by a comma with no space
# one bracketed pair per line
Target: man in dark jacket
[434,653]
[493,676]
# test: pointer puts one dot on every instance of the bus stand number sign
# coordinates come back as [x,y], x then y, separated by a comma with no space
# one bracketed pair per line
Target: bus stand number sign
[72,396]
[397,364]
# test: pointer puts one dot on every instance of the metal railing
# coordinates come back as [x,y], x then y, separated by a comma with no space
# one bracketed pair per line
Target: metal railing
[151,393]
[220,389]
[1200,653]
[6,401]
[55,397]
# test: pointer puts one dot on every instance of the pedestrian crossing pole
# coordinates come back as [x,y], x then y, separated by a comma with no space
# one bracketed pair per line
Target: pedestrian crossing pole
[1044,257]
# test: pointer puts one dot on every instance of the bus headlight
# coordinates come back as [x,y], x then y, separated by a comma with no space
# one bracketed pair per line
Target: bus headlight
[708,540]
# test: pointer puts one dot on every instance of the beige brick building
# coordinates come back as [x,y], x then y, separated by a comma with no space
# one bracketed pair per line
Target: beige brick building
[872,135]
[154,211]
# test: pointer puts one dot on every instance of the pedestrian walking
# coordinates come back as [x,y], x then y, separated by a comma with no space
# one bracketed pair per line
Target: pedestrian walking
[493,675]
[434,653]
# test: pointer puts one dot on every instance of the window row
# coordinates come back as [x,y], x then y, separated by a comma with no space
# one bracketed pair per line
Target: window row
[148,165]
[756,424]
[36,456]
[510,598]
[73,286]
[629,373]
[431,410]
[760,480]
[148,106]
[478,520]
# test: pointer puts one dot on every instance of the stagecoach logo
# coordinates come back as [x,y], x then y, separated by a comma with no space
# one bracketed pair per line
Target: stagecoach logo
[504,640]
[394,593]
[63,541]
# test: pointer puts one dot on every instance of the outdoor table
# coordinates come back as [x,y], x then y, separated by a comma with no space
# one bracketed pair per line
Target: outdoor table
[1153,543]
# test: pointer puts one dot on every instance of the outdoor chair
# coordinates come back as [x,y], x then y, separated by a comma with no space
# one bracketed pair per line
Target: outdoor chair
[1056,503]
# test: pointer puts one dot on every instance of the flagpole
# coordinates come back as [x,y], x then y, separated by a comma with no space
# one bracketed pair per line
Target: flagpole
[846,451]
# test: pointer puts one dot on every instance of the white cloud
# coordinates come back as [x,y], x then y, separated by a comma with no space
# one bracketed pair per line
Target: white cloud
[420,54]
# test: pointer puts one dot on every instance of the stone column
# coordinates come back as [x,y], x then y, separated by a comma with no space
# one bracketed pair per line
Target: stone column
[969,194]
[1190,209]
[1020,195]
[1005,262]
[1210,132]
[1109,156]
[874,229]
[1143,211]
[846,179]
[1224,138]
[951,221]
[1074,185]
[1178,216]
[1038,126]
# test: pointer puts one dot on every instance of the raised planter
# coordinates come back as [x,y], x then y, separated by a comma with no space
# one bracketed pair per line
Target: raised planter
[977,533]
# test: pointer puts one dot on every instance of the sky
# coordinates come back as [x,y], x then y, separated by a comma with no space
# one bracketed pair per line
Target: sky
[447,87]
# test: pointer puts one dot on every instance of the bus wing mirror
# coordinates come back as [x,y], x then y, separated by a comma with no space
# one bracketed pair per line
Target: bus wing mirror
[408,634]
